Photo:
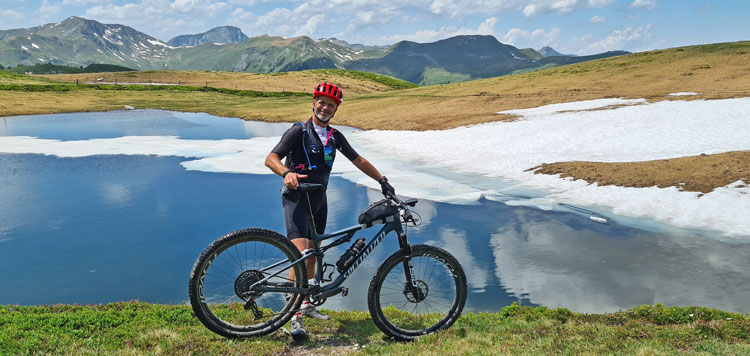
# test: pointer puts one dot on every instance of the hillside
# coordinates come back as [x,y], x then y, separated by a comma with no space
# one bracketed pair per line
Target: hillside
[459,59]
[78,42]
[714,71]
[47,68]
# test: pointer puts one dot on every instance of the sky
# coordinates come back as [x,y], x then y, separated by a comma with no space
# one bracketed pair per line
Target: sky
[570,26]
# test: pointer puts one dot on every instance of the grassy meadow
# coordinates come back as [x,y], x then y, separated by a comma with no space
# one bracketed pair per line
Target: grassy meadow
[136,328]
[355,82]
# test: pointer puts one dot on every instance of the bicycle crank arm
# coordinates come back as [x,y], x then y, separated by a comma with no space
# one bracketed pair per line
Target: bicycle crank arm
[331,292]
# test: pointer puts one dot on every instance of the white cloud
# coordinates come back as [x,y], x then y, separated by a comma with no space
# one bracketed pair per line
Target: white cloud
[239,17]
[11,14]
[311,26]
[47,10]
[243,2]
[83,2]
[162,18]
[621,39]
[597,19]
[355,20]
[541,7]
[368,20]
[648,4]
[536,39]
[485,28]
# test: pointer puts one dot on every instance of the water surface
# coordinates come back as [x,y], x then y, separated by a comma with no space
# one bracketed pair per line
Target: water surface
[106,228]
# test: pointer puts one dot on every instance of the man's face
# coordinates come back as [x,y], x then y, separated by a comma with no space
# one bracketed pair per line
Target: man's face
[325,107]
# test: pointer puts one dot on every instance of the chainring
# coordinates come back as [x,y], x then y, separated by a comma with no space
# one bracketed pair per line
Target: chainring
[313,300]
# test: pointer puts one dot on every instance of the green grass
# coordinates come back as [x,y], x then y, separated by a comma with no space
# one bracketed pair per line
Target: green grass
[391,82]
[136,328]
[437,76]
[47,68]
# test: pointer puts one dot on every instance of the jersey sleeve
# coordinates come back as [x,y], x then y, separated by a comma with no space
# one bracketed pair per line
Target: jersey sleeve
[290,137]
[344,146]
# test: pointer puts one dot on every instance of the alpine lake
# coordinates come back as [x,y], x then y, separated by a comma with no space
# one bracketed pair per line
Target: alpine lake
[110,227]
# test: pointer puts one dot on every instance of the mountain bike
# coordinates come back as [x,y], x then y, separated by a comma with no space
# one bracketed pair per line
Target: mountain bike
[250,282]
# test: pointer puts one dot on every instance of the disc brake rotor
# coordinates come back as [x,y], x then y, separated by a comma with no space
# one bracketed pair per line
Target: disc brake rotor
[421,292]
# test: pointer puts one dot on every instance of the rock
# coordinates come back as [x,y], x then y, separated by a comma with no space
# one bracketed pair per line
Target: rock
[128,107]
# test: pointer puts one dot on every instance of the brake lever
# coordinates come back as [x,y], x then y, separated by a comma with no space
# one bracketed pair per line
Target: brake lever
[408,217]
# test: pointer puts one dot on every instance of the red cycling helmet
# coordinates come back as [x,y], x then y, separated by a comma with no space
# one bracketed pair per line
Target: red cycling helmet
[329,90]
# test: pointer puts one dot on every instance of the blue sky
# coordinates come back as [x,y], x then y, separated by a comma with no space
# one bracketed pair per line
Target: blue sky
[570,26]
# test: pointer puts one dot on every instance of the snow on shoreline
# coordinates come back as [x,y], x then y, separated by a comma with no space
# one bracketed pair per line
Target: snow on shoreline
[490,160]
[578,131]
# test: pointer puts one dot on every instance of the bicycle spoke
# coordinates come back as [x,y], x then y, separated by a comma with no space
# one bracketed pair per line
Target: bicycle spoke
[410,308]
[227,285]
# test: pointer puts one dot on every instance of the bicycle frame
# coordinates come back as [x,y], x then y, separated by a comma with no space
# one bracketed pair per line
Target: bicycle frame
[391,223]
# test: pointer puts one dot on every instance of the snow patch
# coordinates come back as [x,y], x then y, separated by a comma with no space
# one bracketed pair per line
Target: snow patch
[159,43]
[577,106]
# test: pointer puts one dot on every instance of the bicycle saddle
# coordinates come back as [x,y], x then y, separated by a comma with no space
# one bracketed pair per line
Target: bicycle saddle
[295,195]
[309,187]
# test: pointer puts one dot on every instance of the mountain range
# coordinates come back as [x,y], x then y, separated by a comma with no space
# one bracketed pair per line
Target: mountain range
[80,42]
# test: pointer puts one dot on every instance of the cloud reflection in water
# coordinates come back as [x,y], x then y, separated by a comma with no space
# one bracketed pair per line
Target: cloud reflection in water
[556,264]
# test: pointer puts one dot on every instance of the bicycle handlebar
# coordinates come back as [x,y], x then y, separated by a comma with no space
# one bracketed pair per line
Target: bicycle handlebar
[408,217]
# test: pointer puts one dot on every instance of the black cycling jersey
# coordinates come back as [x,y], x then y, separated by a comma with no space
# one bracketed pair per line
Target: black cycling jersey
[303,150]
[306,154]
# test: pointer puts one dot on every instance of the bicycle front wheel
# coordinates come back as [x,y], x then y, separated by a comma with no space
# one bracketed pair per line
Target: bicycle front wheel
[434,302]
[221,283]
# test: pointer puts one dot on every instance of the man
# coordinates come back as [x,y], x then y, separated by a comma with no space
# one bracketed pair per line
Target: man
[309,149]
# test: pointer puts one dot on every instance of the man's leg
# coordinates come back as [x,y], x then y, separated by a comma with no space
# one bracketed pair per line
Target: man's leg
[303,244]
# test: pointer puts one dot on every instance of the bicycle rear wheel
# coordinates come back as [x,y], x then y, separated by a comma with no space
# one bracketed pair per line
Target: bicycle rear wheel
[436,302]
[221,278]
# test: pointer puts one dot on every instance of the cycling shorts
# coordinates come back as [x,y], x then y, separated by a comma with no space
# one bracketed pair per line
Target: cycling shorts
[295,215]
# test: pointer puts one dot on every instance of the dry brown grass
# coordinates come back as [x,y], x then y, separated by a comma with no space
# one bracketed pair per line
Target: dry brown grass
[696,173]
[715,72]
[303,81]
[29,103]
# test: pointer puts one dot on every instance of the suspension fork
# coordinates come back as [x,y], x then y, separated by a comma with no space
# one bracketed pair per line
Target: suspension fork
[411,282]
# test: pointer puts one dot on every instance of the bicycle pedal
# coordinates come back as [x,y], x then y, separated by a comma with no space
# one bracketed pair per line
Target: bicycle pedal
[344,292]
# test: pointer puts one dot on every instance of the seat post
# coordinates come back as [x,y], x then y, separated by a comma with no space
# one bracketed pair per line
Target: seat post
[311,219]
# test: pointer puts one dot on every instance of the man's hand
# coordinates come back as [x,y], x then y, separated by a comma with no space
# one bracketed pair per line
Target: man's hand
[386,187]
[291,180]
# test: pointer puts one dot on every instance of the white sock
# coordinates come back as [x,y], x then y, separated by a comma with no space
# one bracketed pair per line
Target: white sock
[298,314]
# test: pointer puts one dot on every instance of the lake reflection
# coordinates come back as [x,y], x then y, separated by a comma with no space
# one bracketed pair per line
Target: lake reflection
[106,228]
[583,268]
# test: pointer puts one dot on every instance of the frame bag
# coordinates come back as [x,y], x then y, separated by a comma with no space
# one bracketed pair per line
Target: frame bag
[378,210]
